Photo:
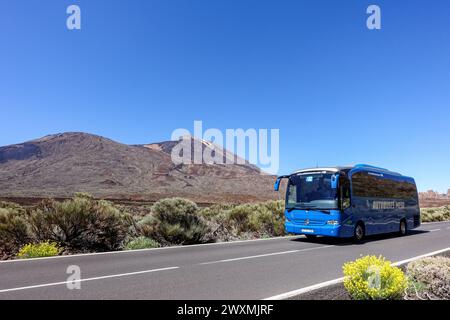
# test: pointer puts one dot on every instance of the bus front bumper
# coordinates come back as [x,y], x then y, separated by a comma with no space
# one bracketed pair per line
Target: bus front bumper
[323,230]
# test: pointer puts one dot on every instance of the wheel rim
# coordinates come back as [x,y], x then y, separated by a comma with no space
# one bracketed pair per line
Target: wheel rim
[359,232]
[403,227]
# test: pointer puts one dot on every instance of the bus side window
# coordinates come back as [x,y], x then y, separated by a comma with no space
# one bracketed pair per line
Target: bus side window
[345,193]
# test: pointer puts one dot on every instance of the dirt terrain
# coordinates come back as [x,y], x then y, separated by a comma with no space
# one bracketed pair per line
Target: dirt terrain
[62,164]
[432,203]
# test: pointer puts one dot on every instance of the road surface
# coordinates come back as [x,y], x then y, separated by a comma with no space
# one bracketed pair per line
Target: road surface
[240,270]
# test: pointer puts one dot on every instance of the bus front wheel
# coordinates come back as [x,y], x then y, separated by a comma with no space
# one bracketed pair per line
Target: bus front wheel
[402,230]
[359,233]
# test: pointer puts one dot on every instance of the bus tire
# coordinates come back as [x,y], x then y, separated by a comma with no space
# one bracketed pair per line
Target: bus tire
[402,228]
[359,232]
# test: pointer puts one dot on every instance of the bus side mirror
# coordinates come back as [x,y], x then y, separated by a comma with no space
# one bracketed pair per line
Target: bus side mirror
[276,187]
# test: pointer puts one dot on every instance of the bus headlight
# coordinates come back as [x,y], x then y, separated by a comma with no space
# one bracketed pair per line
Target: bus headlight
[333,222]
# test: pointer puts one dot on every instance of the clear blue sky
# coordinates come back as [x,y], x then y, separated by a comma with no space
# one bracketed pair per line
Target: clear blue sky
[137,70]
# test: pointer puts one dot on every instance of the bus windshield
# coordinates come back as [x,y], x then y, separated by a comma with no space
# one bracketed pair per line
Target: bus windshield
[311,192]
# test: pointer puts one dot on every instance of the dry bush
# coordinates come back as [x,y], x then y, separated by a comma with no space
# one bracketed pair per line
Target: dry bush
[429,278]
[14,229]
[174,221]
[81,224]
[246,221]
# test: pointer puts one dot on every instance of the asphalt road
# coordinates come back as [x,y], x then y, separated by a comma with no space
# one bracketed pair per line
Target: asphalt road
[239,270]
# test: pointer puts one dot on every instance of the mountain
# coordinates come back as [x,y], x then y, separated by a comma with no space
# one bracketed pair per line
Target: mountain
[62,164]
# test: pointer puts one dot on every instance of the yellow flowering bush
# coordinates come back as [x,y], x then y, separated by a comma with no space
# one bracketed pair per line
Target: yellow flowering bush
[373,278]
[43,249]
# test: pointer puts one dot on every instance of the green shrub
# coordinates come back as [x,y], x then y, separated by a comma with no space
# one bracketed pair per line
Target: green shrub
[262,218]
[169,209]
[429,278]
[83,195]
[14,229]
[81,224]
[141,243]
[435,214]
[373,278]
[276,222]
[43,249]
[239,216]
[220,228]
[174,221]
[257,220]
[215,210]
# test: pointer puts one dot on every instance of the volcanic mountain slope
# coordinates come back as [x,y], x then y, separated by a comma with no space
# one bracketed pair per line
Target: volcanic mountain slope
[59,165]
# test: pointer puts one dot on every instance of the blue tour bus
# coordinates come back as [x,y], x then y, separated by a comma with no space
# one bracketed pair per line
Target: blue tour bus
[352,201]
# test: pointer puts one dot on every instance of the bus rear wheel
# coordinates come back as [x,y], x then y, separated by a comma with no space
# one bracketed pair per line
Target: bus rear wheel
[359,233]
[402,229]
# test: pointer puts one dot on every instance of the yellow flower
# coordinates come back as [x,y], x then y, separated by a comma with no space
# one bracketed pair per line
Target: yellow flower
[372,277]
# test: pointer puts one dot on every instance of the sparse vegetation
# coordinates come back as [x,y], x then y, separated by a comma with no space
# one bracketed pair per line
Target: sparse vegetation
[38,250]
[246,221]
[435,214]
[84,224]
[141,243]
[429,279]
[373,278]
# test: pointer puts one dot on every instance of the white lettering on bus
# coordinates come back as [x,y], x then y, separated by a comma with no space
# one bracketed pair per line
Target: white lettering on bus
[383,205]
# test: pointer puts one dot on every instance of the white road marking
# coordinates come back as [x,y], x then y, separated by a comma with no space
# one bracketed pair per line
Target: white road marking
[399,263]
[264,255]
[297,292]
[316,286]
[87,279]
[434,230]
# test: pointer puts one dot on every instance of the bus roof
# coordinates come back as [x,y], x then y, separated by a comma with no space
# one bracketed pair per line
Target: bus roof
[365,167]
[330,169]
